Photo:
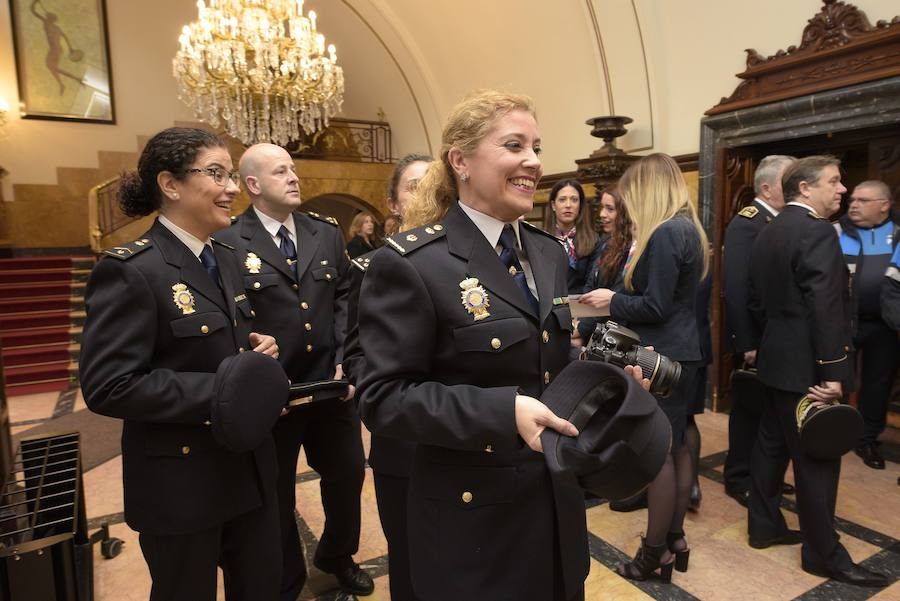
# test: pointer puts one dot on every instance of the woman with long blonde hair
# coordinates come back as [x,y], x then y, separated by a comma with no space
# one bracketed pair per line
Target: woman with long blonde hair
[456,355]
[362,235]
[661,276]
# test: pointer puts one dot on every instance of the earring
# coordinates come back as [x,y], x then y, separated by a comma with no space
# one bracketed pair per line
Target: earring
[175,196]
[464,177]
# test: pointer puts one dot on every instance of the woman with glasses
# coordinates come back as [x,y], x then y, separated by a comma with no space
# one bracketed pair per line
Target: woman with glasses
[163,311]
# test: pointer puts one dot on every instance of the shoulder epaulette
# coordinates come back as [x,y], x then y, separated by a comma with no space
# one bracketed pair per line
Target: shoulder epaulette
[129,249]
[325,218]
[749,212]
[535,228]
[220,243]
[362,262]
[408,241]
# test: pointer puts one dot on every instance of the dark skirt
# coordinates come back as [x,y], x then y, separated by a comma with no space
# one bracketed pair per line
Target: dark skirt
[675,406]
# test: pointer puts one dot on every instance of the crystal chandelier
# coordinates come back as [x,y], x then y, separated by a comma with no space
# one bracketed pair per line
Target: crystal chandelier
[259,68]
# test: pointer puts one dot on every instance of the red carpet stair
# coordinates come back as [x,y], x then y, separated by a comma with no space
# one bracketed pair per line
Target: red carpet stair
[41,315]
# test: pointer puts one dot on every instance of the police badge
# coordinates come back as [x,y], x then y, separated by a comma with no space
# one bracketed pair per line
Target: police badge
[253,263]
[183,298]
[474,298]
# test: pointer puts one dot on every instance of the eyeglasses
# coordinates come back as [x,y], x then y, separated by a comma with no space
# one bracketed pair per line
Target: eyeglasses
[220,176]
[863,201]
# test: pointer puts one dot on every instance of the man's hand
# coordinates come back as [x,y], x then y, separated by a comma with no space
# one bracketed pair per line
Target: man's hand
[265,344]
[351,389]
[825,392]
[635,372]
[532,416]
[598,299]
[750,357]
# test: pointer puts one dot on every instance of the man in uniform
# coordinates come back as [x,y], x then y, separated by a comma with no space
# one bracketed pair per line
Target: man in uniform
[799,291]
[742,331]
[869,233]
[296,274]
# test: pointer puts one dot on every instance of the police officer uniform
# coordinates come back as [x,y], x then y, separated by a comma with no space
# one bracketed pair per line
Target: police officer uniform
[800,292]
[304,304]
[390,458]
[157,328]
[742,335]
[449,340]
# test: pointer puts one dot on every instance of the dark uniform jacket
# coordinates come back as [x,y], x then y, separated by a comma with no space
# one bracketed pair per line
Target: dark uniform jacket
[481,507]
[665,279]
[387,455]
[307,314]
[800,291]
[742,331]
[149,356]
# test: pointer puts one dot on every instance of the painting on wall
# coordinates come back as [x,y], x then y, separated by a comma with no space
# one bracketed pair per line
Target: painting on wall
[62,60]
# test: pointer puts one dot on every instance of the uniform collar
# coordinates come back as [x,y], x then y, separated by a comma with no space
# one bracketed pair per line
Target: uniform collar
[490,227]
[796,203]
[766,206]
[273,225]
[194,244]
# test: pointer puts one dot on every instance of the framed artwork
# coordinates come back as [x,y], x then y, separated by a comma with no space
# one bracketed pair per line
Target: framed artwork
[62,60]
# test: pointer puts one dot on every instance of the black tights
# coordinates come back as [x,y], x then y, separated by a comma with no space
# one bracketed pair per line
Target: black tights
[668,495]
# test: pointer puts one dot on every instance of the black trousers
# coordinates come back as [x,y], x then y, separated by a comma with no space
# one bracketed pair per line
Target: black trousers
[330,435]
[183,567]
[743,424]
[816,481]
[880,350]
[390,493]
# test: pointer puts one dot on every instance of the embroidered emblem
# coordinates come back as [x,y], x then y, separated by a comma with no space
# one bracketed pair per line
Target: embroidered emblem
[253,263]
[560,300]
[474,298]
[183,298]
[749,212]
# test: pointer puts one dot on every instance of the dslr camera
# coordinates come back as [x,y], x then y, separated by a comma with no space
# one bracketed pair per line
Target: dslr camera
[620,346]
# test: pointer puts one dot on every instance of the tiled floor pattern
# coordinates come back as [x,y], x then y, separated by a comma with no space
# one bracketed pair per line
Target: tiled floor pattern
[723,566]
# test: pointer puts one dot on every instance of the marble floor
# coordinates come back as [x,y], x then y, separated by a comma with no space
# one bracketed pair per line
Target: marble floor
[723,566]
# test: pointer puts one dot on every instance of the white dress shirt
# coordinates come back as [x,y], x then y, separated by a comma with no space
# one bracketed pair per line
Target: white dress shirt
[194,243]
[273,225]
[766,206]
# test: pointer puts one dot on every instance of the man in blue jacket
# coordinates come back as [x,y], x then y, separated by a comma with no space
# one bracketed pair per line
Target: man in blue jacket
[869,233]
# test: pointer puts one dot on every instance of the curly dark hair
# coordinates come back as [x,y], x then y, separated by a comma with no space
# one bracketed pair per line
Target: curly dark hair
[173,150]
[619,241]
[401,166]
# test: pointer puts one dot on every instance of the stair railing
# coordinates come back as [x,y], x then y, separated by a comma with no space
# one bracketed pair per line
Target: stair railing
[104,214]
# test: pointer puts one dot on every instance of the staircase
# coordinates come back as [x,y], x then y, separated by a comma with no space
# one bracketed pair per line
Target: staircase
[41,317]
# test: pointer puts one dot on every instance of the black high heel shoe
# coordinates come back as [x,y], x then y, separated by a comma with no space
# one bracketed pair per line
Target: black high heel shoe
[681,555]
[646,562]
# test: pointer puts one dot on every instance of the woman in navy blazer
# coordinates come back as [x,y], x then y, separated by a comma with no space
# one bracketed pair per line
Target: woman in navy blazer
[569,220]
[660,285]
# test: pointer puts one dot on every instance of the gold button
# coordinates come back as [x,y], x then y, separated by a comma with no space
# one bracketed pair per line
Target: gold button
[412,237]
[428,230]
[241,350]
[308,348]
[438,228]
[546,377]
[207,423]
[256,285]
[204,329]
[295,286]
[185,450]
[467,497]
[545,337]
[308,327]
[328,276]
[252,313]
[495,343]
[304,305]
[489,449]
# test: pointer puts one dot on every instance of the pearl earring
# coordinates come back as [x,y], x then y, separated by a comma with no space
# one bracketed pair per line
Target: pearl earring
[465,178]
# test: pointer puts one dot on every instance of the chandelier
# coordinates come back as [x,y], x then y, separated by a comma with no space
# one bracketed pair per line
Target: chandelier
[259,68]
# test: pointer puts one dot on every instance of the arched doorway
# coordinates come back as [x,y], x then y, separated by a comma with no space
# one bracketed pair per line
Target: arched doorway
[342,207]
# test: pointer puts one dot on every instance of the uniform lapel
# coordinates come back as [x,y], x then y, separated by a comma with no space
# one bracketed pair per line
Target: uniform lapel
[307,243]
[466,241]
[543,268]
[226,273]
[192,271]
[259,241]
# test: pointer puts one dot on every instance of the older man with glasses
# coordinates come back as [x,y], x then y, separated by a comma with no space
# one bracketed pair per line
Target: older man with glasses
[869,233]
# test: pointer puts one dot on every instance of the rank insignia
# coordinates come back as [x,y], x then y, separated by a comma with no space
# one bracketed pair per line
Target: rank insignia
[474,298]
[560,300]
[183,298]
[253,263]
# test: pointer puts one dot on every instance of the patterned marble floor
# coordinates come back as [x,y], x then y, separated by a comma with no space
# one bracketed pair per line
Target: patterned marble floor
[723,566]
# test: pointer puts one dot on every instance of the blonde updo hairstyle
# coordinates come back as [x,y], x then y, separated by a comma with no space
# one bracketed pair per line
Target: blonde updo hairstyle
[654,192]
[468,123]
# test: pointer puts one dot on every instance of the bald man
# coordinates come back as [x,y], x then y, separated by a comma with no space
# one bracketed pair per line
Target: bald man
[296,276]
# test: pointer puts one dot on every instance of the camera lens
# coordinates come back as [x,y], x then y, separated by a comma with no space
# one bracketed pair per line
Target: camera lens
[662,372]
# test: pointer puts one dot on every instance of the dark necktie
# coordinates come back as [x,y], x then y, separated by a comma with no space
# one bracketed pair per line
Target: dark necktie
[288,249]
[511,261]
[209,262]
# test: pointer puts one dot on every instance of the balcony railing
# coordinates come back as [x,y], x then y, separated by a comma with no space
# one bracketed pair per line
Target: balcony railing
[347,140]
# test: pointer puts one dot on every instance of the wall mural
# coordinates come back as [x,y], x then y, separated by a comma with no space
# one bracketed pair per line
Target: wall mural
[62,60]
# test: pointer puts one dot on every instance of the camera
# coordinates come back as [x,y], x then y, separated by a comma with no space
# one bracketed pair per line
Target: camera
[612,343]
